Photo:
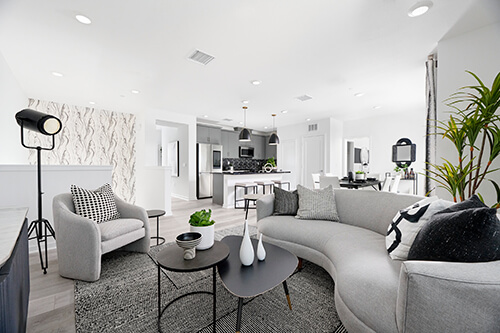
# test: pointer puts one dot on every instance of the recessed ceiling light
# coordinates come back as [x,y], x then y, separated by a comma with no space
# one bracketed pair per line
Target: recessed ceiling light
[308,119]
[244,101]
[91,103]
[265,127]
[420,8]
[241,123]
[255,82]
[205,116]
[376,107]
[57,74]
[359,94]
[83,19]
[134,91]
[284,111]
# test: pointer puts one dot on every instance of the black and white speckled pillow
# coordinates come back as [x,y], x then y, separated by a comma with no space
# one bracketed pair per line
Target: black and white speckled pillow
[466,232]
[317,204]
[285,202]
[98,205]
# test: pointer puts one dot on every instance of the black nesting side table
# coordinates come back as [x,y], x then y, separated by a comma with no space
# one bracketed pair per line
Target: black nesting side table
[157,213]
[172,258]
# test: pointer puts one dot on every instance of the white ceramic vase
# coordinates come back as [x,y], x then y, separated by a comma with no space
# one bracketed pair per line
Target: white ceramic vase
[246,248]
[207,240]
[261,251]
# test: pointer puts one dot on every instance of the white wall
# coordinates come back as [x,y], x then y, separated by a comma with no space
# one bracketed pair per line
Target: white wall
[385,131]
[292,137]
[479,52]
[147,146]
[178,132]
[12,100]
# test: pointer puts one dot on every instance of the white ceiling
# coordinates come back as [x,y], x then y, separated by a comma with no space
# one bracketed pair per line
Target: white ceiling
[328,49]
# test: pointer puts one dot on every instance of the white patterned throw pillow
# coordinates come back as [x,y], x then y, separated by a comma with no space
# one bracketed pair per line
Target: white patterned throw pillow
[98,205]
[408,222]
[317,204]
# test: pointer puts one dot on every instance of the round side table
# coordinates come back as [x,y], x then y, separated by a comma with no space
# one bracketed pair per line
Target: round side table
[157,213]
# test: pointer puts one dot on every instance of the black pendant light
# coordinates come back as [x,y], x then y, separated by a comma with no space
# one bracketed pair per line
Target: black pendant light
[245,133]
[274,139]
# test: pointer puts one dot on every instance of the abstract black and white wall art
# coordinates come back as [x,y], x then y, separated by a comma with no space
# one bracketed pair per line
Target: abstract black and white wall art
[91,137]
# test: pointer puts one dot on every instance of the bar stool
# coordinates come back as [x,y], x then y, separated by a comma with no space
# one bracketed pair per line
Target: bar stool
[250,197]
[245,186]
[281,183]
[265,183]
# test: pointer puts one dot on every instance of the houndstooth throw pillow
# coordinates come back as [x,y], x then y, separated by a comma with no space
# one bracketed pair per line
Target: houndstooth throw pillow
[317,204]
[98,205]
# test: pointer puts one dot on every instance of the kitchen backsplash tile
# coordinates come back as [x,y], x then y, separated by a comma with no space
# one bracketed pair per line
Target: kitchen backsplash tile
[244,164]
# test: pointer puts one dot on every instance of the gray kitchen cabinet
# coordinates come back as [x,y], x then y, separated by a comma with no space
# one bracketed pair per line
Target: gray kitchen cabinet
[205,134]
[233,145]
[271,151]
[259,148]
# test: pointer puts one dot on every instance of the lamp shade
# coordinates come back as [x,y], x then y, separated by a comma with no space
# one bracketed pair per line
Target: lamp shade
[274,139]
[244,135]
[38,122]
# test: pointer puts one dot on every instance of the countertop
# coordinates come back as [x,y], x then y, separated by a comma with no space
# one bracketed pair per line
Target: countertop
[11,223]
[248,172]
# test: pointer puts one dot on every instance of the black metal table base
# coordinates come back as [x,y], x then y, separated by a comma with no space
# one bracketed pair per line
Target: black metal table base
[158,238]
[213,292]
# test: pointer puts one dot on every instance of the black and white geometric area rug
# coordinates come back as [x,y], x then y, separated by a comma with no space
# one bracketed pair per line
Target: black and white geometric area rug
[125,299]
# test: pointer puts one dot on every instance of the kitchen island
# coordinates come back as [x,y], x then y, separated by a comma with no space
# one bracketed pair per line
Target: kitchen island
[223,184]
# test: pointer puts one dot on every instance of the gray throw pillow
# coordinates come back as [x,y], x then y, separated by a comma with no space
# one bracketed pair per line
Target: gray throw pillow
[317,204]
[285,202]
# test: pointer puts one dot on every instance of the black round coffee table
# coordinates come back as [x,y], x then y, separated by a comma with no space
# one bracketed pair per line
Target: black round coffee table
[172,258]
[157,213]
[261,276]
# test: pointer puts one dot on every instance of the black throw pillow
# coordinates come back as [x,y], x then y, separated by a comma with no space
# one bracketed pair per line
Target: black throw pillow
[460,233]
[285,202]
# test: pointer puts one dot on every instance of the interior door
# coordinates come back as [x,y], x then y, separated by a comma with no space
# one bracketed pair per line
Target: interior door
[314,158]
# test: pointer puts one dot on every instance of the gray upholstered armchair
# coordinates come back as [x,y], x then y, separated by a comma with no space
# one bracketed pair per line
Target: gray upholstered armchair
[81,241]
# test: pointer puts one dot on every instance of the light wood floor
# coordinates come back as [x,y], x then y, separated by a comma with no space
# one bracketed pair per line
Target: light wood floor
[51,306]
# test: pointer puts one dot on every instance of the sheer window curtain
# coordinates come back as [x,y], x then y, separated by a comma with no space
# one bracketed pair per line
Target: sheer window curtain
[430,141]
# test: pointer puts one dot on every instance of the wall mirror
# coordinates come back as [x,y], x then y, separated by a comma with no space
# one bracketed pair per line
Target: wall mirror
[404,152]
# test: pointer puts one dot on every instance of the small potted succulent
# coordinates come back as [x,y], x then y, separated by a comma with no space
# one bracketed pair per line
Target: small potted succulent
[360,176]
[201,222]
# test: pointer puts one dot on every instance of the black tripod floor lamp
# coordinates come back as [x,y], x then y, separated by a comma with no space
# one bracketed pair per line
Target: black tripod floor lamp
[48,125]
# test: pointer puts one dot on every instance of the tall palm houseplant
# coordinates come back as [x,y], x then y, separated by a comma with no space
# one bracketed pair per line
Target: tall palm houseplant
[473,128]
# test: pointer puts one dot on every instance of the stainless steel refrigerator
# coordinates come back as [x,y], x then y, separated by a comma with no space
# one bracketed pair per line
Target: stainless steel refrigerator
[209,159]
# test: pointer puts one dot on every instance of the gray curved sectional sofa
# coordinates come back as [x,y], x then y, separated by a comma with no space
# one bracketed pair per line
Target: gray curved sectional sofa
[374,293]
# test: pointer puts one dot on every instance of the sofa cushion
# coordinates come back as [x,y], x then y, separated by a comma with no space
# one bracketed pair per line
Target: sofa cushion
[373,300]
[115,228]
[372,210]
[408,222]
[317,204]
[461,234]
[285,202]
[98,205]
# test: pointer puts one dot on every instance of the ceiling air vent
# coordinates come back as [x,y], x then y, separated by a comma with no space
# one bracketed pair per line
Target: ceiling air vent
[313,127]
[200,57]
[304,98]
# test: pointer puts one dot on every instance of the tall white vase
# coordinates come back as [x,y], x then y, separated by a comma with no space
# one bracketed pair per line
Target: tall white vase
[261,251]
[246,248]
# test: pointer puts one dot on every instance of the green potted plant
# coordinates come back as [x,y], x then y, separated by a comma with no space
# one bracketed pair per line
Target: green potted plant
[272,161]
[473,128]
[201,222]
[359,175]
[403,169]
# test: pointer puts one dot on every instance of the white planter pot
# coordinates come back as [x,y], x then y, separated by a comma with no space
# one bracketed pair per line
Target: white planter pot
[359,176]
[207,240]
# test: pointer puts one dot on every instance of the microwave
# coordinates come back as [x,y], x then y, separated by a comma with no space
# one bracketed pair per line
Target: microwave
[246,151]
